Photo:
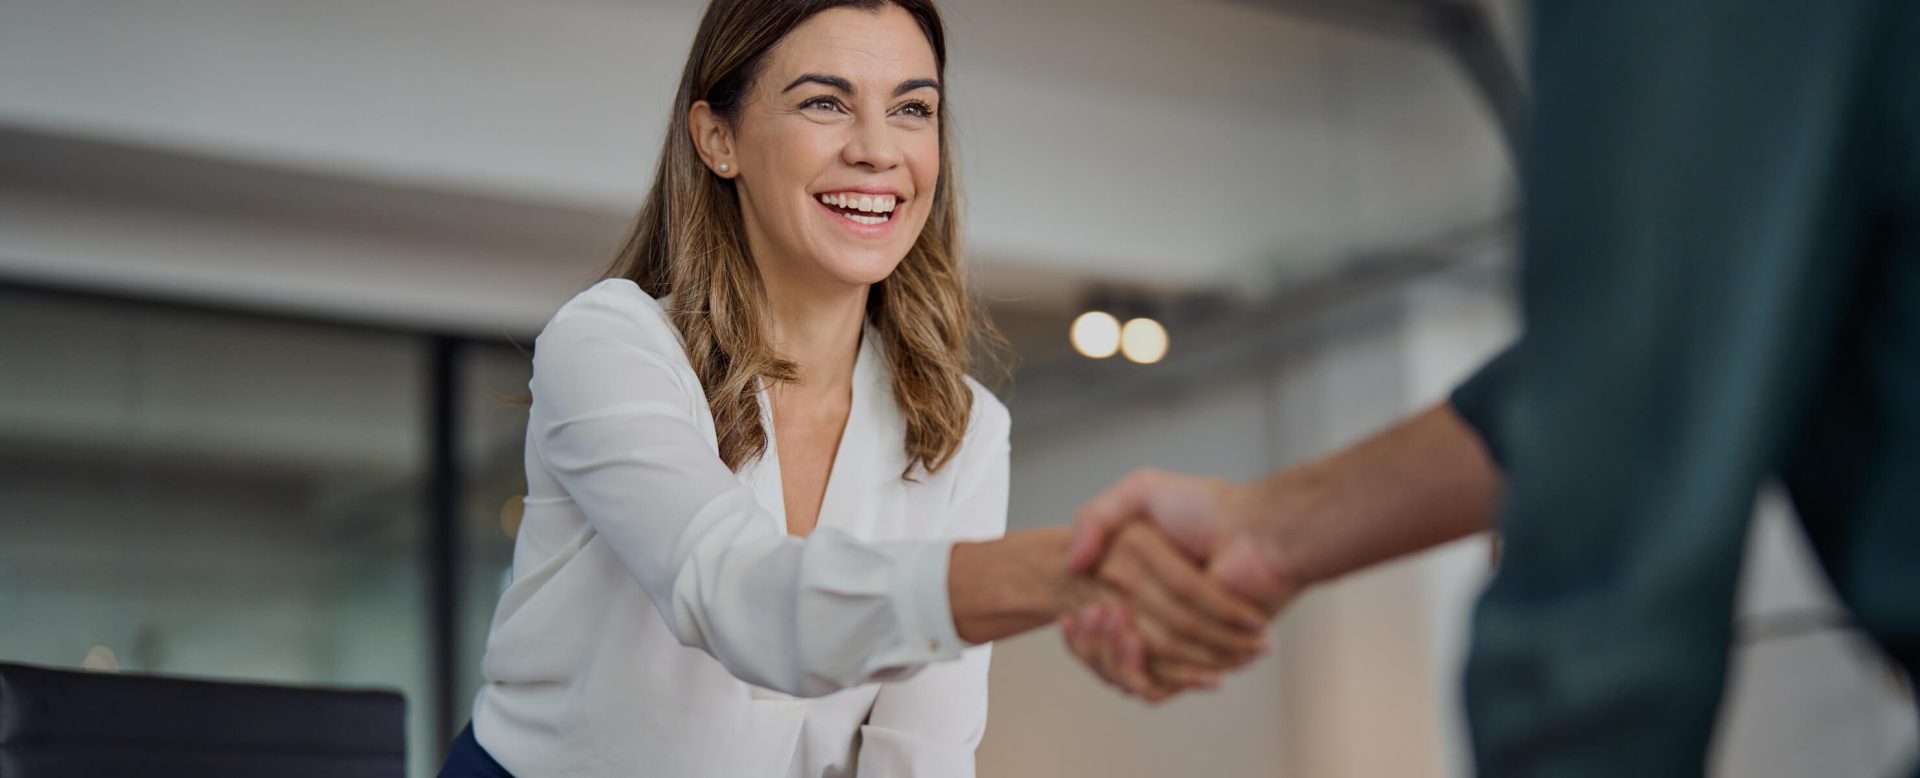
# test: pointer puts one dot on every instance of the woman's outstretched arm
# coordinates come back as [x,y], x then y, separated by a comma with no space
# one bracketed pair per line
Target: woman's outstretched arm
[615,419]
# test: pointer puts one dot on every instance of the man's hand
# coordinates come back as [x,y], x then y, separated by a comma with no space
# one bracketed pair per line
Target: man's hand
[1210,519]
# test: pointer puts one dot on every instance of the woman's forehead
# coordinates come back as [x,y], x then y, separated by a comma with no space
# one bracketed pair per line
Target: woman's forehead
[884,47]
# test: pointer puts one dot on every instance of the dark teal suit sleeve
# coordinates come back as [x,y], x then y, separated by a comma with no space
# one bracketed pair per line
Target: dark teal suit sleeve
[1478,401]
[1699,190]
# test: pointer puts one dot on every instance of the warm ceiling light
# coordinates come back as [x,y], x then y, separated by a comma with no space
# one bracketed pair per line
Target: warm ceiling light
[1096,334]
[1144,341]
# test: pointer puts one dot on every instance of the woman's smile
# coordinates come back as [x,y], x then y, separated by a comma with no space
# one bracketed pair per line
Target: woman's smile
[866,213]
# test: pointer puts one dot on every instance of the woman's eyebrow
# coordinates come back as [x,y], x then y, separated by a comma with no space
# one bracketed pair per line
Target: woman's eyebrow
[833,81]
[847,87]
[918,83]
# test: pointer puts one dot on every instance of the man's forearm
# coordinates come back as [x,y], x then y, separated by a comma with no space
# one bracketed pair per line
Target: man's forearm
[1416,485]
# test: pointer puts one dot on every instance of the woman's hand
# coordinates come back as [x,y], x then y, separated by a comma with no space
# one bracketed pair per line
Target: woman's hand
[1157,624]
[1104,638]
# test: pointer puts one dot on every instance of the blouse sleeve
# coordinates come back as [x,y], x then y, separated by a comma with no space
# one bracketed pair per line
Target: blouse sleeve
[613,421]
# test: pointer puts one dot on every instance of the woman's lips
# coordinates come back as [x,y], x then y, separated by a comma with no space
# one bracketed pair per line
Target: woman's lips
[857,228]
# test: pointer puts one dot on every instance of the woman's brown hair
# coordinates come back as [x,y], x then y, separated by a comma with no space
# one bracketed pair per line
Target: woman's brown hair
[690,241]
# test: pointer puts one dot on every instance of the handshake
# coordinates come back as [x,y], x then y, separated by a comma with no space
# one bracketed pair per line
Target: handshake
[1166,581]
[1174,582]
[1173,578]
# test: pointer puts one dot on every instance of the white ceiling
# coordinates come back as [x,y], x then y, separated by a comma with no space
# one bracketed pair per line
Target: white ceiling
[1170,144]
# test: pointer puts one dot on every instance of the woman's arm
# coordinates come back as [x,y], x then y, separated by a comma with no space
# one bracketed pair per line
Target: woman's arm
[615,422]
[931,724]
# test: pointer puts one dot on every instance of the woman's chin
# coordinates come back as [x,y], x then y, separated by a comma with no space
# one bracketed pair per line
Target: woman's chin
[862,271]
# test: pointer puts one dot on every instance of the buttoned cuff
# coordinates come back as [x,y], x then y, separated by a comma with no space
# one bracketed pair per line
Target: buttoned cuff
[926,615]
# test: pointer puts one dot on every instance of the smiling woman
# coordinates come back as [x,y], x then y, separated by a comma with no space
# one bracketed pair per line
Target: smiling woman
[761,534]
[776,140]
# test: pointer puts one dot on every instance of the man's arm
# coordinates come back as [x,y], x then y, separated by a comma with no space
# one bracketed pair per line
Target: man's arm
[1422,482]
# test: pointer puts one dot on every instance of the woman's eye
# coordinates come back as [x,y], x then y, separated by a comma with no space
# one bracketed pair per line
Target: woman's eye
[818,103]
[918,110]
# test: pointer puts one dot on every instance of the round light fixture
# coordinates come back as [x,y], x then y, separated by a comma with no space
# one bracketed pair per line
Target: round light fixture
[1144,341]
[1096,334]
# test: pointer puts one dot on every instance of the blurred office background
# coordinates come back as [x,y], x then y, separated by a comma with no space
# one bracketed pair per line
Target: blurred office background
[269,271]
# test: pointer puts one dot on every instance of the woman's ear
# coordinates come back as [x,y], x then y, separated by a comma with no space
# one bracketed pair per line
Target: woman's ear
[714,140]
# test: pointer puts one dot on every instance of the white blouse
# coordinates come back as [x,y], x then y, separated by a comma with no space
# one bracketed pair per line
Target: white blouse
[661,622]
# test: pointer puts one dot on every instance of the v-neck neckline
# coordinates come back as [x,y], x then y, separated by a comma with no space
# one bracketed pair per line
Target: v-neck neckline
[770,476]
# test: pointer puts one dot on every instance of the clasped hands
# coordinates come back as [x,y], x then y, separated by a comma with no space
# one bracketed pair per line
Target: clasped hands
[1177,587]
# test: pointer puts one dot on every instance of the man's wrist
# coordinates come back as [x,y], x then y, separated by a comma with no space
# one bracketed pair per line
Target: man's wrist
[1279,512]
[1415,485]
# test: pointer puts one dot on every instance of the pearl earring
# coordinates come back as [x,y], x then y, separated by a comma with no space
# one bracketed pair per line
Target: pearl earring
[724,167]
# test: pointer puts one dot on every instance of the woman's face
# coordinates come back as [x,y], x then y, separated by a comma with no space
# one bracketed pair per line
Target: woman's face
[837,148]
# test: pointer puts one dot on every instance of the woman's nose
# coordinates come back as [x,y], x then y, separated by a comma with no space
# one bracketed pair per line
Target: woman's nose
[872,144]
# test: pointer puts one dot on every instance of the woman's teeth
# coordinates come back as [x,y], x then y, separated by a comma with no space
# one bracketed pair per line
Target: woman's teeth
[861,208]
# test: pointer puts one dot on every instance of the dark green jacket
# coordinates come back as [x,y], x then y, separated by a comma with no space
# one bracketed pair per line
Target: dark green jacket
[1720,285]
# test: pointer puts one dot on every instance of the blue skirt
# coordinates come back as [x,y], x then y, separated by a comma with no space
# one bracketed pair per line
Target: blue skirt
[469,760]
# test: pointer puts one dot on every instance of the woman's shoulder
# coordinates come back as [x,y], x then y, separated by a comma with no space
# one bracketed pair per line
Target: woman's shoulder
[614,308]
[989,423]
